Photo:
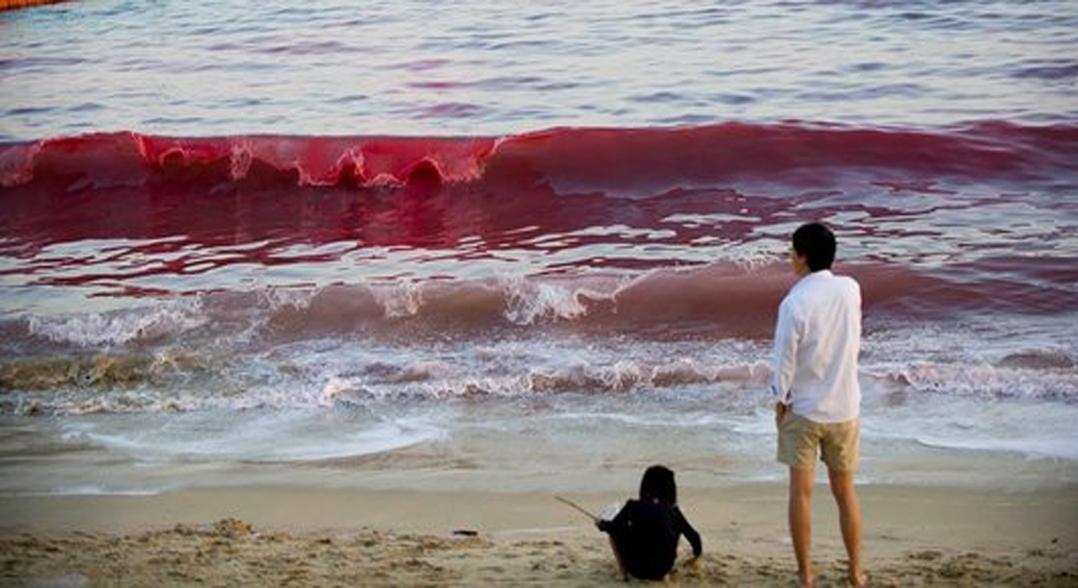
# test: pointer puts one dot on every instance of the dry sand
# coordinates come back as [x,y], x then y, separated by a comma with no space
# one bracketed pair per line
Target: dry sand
[271,536]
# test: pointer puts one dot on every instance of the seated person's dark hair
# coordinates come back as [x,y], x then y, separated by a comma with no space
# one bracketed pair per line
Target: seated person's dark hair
[658,483]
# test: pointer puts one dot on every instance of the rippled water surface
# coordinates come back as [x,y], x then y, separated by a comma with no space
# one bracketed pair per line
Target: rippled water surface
[419,67]
[525,247]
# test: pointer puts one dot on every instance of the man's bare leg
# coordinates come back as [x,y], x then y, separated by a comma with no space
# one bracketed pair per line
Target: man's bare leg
[849,517]
[800,515]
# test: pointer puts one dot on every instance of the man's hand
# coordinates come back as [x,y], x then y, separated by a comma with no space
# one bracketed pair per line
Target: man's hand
[780,412]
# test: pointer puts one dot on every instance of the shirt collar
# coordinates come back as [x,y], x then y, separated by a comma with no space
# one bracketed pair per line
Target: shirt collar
[824,273]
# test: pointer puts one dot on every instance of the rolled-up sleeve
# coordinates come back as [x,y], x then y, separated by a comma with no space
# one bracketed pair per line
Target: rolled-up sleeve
[784,354]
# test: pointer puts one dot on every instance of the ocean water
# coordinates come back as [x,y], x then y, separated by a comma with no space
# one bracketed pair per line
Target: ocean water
[534,248]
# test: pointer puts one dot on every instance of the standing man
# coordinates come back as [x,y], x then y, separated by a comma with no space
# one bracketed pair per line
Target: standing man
[818,398]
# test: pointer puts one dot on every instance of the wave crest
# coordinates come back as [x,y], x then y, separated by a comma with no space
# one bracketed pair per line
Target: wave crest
[566,158]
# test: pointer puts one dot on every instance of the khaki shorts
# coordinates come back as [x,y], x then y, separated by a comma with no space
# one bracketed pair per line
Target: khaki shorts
[802,440]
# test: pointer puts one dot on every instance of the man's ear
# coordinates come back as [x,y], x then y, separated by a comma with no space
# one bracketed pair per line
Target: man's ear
[800,262]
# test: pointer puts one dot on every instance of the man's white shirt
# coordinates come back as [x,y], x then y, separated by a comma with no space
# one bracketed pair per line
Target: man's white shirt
[817,341]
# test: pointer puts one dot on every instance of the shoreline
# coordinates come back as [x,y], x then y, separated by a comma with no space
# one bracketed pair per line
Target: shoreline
[257,534]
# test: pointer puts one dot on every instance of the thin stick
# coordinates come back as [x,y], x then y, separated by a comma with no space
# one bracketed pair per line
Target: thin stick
[577,507]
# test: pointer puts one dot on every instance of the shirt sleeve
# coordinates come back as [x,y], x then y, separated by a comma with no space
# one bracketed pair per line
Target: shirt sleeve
[784,354]
[690,533]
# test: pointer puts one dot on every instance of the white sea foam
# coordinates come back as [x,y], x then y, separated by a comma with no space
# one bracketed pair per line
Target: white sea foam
[529,302]
[403,300]
[93,491]
[1043,447]
[255,436]
[564,400]
[119,328]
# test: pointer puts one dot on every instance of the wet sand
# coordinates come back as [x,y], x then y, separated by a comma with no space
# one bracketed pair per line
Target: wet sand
[255,536]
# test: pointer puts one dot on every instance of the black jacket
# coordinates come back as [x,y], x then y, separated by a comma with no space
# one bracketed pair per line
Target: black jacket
[646,536]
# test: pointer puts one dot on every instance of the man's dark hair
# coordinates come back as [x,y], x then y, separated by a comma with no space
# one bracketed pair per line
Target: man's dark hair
[816,243]
[658,483]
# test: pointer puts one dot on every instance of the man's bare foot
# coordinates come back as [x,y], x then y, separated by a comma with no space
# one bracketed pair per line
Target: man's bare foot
[805,579]
[858,580]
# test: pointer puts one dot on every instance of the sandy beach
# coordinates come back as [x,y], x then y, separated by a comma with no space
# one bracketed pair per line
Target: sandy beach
[915,536]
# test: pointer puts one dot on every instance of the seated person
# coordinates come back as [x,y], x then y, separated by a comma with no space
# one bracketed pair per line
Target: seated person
[645,532]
